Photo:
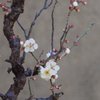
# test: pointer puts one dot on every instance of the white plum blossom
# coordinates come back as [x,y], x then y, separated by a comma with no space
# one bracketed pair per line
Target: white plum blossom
[67,50]
[50,71]
[53,65]
[46,73]
[30,45]
[75,3]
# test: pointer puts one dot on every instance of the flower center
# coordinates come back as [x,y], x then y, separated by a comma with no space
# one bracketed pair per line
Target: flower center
[31,45]
[46,72]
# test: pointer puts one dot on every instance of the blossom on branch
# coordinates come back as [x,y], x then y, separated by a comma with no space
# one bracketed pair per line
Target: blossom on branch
[30,45]
[67,50]
[50,71]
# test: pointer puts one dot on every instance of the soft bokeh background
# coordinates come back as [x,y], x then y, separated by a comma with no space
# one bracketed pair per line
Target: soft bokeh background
[80,70]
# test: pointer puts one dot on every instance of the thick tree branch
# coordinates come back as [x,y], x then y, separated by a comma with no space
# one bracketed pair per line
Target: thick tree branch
[14,59]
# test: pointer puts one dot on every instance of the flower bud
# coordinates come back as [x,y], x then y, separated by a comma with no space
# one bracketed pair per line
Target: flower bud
[70,7]
[57,87]
[84,2]
[21,42]
[14,37]
[33,78]
[55,50]
[22,48]
[75,43]
[66,41]
[77,9]
[71,26]
[77,36]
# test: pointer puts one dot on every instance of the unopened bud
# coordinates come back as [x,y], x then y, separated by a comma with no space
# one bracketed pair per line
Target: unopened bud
[57,87]
[21,42]
[71,26]
[77,9]
[84,2]
[33,78]
[77,36]
[14,37]
[66,41]
[70,7]
[55,50]
[22,48]
[75,43]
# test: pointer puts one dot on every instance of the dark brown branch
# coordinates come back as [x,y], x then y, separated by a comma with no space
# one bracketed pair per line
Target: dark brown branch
[14,59]
[56,97]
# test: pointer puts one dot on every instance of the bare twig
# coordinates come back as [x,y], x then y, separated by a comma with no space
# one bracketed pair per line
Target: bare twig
[38,14]
[22,29]
[52,35]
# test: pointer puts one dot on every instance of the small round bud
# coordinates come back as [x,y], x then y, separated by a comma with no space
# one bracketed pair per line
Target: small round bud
[77,36]
[77,9]
[33,78]
[55,50]
[1,4]
[84,2]
[70,7]
[57,87]
[71,26]
[21,42]
[14,37]
[22,48]
[64,30]
[66,41]
[75,43]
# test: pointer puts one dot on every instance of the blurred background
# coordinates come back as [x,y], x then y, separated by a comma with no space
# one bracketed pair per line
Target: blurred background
[80,70]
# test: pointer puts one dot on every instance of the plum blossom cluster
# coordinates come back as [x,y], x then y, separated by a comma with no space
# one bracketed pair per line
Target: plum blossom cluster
[49,71]
[5,8]
[74,4]
[29,45]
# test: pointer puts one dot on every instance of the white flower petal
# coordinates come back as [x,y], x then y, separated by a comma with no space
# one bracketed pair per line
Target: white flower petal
[32,40]
[57,67]
[31,49]
[26,49]
[48,55]
[35,46]
[75,3]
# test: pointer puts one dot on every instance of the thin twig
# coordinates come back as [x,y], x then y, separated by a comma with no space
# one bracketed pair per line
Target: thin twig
[34,56]
[64,54]
[91,25]
[52,35]
[66,27]
[37,15]
[22,29]
[29,87]
[52,89]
